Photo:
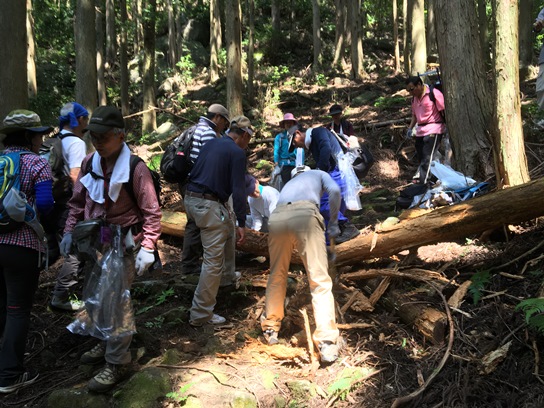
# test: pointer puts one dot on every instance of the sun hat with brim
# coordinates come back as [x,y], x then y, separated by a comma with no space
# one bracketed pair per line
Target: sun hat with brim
[242,122]
[22,119]
[288,117]
[104,119]
[219,110]
[335,109]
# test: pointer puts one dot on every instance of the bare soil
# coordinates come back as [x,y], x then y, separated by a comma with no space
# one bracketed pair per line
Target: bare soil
[395,358]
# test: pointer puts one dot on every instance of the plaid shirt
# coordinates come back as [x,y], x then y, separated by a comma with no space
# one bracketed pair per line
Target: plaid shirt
[124,211]
[34,170]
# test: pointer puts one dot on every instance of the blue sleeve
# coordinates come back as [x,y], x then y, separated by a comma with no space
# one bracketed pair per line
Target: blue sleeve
[44,196]
[277,143]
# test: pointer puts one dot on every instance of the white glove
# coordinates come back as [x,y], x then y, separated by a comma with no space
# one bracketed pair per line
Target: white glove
[277,171]
[144,260]
[409,133]
[65,245]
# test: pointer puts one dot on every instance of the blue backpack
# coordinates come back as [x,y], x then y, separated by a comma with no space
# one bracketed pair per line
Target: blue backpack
[14,208]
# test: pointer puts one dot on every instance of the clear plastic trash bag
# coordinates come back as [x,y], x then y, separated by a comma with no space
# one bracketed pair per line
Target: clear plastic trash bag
[108,312]
[353,186]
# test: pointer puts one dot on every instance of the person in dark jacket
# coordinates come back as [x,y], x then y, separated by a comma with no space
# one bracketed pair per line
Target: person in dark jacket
[21,249]
[340,125]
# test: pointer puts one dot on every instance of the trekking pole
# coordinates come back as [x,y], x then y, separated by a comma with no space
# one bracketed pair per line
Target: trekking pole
[430,160]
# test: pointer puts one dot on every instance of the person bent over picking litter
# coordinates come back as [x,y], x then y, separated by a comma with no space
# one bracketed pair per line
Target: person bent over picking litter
[297,223]
[100,193]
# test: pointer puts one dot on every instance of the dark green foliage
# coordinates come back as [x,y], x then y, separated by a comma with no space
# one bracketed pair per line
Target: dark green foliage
[479,280]
[534,313]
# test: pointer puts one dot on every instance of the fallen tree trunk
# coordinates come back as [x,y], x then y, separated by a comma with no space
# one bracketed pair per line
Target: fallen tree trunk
[421,227]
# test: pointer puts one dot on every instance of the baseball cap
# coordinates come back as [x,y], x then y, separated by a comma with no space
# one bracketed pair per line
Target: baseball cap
[335,109]
[22,119]
[242,122]
[219,110]
[105,118]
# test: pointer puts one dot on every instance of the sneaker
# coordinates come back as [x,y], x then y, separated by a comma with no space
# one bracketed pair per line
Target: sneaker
[234,282]
[271,336]
[104,381]
[328,352]
[215,320]
[347,231]
[70,304]
[27,378]
[94,355]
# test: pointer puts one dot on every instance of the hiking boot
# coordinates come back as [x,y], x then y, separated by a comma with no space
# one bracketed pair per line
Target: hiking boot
[328,352]
[70,304]
[105,380]
[94,355]
[27,378]
[215,320]
[271,337]
[347,231]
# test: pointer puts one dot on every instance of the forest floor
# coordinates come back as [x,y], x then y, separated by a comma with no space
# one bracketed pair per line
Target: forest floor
[384,360]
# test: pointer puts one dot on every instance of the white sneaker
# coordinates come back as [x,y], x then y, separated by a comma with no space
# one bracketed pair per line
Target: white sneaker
[216,319]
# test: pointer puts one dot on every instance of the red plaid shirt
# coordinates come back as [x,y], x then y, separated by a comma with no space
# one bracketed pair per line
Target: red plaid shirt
[124,211]
[34,170]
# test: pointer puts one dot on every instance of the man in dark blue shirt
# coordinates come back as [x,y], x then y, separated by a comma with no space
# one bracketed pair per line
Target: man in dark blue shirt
[324,148]
[218,173]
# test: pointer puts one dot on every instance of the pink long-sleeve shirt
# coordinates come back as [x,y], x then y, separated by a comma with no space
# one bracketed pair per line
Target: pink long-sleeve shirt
[429,120]
[124,211]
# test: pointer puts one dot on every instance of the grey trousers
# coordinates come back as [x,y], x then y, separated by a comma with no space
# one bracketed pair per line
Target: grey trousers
[67,276]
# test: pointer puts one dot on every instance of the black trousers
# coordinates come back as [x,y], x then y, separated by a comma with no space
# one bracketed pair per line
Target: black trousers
[425,151]
[19,275]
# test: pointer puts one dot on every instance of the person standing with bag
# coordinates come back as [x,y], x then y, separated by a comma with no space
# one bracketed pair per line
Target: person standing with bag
[100,194]
[20,249]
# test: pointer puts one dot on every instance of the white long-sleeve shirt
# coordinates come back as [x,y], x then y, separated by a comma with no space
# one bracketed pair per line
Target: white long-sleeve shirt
[263,206]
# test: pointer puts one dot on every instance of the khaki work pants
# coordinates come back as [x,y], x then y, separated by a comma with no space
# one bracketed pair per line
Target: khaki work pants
[299,225]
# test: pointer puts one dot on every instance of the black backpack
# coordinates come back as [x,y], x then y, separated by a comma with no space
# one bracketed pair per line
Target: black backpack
[435,83]
[129,185]
[406,196]
[176,161]
[51,150]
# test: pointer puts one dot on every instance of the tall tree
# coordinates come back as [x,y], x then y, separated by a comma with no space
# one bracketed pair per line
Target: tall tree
[123,57]
[111,36]
[396,36]
[357,68]
[340,33]
[483,28]
[172,43]
[431,28]
[417,26]
[149,118]
[525,37]
[233,34]
[31,52]
[13,54]
[468,104]
[85,42]
[250,53]
[275,11]
[509,151]
[316,28]
[138,26]
[215,39]
[100,45]
[406,35]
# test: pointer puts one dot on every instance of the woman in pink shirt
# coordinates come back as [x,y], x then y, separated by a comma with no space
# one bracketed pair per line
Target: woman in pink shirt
[428,115]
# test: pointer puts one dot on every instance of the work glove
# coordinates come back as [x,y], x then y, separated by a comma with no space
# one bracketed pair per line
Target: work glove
[144,260]
[277,171]
[333,230]
[65,245]
[409,133]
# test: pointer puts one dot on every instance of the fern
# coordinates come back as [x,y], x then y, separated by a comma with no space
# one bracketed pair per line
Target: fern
[343,385]
[534,313]
[479,280]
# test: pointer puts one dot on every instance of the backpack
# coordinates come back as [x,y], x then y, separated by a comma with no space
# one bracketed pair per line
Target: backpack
[51,150]
[129,185]
[406,196]
[176,161]
[14,208]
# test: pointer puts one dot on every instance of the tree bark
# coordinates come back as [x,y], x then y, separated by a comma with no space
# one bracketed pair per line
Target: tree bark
[468,101]
[215,39]
[138,30]
[340,29]
[275,11]
[233,31]
[431,28]
[316,26]
[123,57]
[356,40]
[406,35]
[31,52]
[509,152]
[149,118]
[525,38]
[483,29]
[111,37]
[419,47]
[100,60]
[418,227]
[85,42]
[250,54]
[396,36]
[172,43]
